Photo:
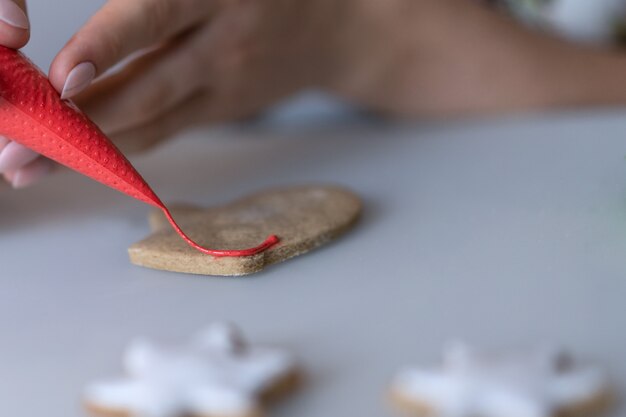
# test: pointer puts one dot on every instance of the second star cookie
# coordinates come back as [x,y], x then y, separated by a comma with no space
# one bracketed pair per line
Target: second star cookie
[303,218]
[540,382]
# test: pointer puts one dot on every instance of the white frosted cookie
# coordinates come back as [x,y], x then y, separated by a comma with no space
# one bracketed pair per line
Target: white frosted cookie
[535,383]
[218,374]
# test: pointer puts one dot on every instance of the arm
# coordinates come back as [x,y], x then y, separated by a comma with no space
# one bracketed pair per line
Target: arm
[212,61]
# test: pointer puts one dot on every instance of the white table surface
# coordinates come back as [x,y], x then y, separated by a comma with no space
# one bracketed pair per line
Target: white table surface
[501,233]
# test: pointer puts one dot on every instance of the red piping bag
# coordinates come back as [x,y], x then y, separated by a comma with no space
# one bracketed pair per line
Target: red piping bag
[33,114]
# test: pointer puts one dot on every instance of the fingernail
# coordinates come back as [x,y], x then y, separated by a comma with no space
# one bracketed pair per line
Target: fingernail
[11,14]
[14,156]
[79,78]
[3,142]
[31,174]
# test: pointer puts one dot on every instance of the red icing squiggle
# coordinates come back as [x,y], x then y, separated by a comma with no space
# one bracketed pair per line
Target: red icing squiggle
[268,243]
[33,114]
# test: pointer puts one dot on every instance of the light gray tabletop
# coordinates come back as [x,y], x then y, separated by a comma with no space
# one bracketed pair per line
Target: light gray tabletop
[501,233]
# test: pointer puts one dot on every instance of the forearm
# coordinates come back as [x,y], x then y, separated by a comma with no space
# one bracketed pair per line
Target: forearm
[439,58]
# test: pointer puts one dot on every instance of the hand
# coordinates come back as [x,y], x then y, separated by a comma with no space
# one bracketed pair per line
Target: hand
[222,60]
[201,61]
[19,165]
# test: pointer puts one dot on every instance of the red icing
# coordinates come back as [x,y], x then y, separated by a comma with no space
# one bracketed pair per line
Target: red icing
[269,242]
[32,113]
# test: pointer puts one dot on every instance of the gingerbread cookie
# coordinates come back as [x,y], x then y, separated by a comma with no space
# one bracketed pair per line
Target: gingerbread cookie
[217,375]
[538,383]
[303,218]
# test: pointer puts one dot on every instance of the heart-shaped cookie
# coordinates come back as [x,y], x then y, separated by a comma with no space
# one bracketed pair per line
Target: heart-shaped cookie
[303,218]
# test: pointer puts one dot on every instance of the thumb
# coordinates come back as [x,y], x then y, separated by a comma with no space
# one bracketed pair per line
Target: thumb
[14,24]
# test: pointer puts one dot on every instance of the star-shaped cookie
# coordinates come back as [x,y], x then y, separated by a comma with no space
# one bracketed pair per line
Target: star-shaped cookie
[542,382]
[217,375]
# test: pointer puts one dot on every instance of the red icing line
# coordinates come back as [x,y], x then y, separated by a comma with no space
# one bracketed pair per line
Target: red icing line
[33,114]
[268,243]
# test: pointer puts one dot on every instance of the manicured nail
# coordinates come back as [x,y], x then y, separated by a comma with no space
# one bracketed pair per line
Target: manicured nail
[31,174]
[14,156]
[79,78]
[11,14]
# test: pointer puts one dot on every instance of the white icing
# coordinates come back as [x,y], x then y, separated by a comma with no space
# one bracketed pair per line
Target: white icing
[534,383]
[217,374]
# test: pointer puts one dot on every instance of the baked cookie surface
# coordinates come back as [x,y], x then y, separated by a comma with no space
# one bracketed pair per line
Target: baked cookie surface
[303,218]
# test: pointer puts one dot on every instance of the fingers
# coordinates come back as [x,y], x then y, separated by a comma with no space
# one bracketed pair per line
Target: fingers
[144,90]
[118,29]
[192,112]
[20,166]
[14,33]
[14,156]
[201,109]
[30,173]
[14,25]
